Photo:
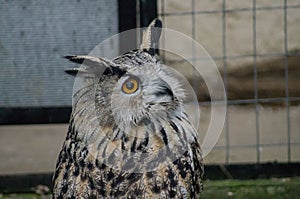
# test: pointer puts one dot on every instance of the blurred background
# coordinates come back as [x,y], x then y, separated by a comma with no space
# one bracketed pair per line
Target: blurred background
[255,45]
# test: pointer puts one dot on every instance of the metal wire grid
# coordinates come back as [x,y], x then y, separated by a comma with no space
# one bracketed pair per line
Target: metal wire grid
[224,58]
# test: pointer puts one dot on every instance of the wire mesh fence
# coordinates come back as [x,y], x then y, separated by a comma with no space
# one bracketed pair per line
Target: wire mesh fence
[256,46]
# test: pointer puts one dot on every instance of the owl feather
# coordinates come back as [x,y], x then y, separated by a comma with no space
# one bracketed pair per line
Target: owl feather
[129,135]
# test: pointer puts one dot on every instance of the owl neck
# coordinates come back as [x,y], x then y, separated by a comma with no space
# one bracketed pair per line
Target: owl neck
[153,139]
[84,119]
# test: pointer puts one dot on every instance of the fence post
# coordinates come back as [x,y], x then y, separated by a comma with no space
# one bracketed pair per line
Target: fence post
[127,21]
[148,12]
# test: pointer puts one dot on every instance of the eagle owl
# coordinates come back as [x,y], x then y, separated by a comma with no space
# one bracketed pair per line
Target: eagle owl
[129,136]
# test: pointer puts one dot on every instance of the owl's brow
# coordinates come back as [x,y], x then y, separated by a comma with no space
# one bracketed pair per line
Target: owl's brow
[111,71]
[129,75]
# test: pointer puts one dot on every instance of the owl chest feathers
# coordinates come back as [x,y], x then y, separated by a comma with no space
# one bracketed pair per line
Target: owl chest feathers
[149,161]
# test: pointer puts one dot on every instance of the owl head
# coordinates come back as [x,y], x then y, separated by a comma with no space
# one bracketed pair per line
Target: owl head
[133,88]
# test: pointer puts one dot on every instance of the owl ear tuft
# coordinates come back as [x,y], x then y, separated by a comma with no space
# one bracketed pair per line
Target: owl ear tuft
[74,71]
[93,66]
[151,37]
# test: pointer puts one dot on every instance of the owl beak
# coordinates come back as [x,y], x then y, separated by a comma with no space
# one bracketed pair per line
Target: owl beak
[163,95]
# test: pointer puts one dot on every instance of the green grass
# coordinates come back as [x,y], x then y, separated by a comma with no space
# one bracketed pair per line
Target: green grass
[283,188]
[23,196]
[287,188]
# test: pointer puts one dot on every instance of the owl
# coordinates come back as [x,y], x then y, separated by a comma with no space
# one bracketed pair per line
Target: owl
[129,135]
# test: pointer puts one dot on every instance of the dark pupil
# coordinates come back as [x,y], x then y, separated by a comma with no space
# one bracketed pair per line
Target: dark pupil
[129,85]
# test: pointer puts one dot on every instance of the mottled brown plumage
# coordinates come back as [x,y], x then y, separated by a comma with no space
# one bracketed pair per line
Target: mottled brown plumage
[129,136]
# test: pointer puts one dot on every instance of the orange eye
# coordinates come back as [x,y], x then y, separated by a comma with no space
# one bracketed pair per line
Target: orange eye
[131,85]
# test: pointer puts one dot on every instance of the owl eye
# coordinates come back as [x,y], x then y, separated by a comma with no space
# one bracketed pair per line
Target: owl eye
[131,85]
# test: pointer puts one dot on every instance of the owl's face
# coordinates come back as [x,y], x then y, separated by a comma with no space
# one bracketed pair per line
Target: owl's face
[143,92]
[134,87]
